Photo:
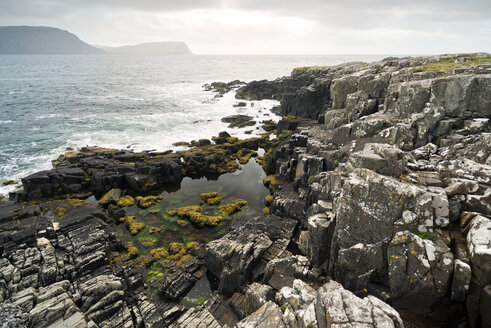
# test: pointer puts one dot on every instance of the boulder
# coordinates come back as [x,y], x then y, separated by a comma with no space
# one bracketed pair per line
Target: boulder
[335,305]
[381,158]
[268,316]
[419,271]
[232,257]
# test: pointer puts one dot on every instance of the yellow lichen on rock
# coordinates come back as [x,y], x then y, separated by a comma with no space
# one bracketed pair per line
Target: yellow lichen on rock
[207,195]
[183,212]
[176,248]
[147,243]
[202,220]
[232,208]
[158,253]
[132,225]
[244,155]
[184,259]
[192,245]
[271,183]
[126,201]
[153,230]
[60,212]
[154,211]
[214,201]
[193,214]
[145,202]
[268,200]
[132,249]
[111,195]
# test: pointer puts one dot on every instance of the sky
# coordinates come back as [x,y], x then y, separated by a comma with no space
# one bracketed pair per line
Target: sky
[391,27]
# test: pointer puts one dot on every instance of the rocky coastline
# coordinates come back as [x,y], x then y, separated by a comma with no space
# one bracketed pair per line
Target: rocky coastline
[378,215]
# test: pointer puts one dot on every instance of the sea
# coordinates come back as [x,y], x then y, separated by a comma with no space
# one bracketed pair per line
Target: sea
[53,103]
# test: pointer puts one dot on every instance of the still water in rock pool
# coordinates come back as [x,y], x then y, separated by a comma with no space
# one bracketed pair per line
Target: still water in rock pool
[167,241]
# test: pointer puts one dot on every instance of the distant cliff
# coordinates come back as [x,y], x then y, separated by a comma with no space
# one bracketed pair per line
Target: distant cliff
[153,48]
[41,40]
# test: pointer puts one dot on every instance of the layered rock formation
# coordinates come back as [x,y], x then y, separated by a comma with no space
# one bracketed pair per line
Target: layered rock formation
[379,213]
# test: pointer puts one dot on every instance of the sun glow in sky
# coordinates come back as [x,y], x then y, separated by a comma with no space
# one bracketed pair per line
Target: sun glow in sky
[269,26]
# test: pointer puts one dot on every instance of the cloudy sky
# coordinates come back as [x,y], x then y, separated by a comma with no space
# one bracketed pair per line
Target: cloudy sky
[269,26]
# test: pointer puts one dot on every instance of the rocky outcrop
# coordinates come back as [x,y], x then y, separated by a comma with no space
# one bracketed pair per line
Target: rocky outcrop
[329,305]
[401,154]
[380,196]
[57,272]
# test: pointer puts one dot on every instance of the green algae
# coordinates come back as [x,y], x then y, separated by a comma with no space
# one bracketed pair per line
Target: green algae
[161,229]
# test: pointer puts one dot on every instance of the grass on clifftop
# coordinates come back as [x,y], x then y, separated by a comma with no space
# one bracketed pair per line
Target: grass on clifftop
[310,68]
[448,63]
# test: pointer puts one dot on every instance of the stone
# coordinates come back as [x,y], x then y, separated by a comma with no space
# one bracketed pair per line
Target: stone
[380,158]
[12,316]
[419,271]
[196,318]
[336,306]
[485,306]
[479,246]
[232,257]
[320,229]
[268,316]
[460,281]
[297,296]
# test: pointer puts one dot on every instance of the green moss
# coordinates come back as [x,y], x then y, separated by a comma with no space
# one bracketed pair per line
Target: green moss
[426,235]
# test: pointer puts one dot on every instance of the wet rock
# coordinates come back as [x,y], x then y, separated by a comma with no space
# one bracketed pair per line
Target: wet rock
[222,88]
[239,121]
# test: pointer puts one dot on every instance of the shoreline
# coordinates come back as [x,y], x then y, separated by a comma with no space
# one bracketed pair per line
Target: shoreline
[380,185]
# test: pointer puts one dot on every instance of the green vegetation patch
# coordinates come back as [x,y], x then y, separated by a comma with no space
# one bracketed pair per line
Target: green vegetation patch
[426,235]
[449,63]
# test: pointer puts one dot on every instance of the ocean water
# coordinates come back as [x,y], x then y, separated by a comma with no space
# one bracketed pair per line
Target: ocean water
[50,103]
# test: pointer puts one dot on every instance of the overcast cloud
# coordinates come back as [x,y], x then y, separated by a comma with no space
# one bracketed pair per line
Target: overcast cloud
[269,26]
